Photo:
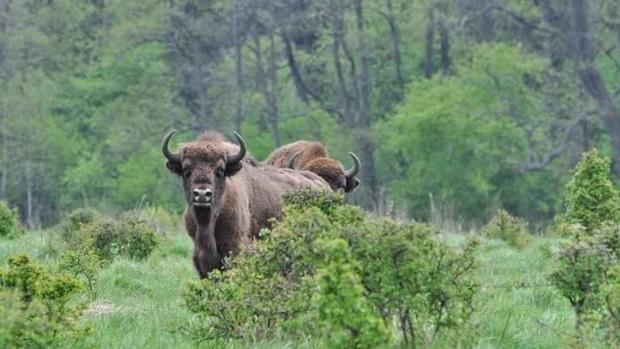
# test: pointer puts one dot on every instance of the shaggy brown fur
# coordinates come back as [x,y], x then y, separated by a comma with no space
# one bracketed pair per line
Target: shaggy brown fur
[244,196]
[313,156]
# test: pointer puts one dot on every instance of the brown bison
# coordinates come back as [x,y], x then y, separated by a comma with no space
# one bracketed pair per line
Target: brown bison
[313,157]
[229,196]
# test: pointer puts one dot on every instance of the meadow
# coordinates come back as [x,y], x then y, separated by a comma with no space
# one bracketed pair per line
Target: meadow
[138,303]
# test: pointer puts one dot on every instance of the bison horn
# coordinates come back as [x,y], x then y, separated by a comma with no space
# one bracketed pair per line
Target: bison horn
[234,159]
[356,166]
[292,160]
[167,153]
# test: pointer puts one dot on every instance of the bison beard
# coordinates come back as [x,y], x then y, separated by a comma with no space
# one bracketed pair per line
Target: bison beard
[230,197]
[313,157]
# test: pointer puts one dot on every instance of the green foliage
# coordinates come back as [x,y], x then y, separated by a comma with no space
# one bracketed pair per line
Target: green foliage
[74,221]
[390,269]
[129,237]
[505,227]
[9,222]
[610,294]
[83,264]
[34,305]
[461,140]
[591,199]
[345,315]
[587,264]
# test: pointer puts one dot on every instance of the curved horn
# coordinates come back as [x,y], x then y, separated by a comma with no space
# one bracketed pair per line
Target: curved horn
[292,160]
[234,159]
[164,148]
[356,166]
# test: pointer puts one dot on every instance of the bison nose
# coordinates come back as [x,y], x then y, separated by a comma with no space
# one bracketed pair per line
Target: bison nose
[202,197]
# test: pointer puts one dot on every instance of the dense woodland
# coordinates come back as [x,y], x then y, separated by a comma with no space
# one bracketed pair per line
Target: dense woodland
[457,107]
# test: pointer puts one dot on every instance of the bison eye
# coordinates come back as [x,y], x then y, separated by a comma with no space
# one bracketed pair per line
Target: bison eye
[220,171]
[187,172]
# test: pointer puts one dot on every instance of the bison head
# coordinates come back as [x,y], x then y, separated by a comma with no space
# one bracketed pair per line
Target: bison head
[204,165]
[332,171]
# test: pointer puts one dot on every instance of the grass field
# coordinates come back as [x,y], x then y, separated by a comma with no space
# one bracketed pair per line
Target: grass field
[138,303]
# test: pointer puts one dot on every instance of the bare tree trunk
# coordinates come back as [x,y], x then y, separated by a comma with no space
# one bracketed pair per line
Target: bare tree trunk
[344,99]
[584,56]
[395,35]
[444,48]
[5,165]
[272,100]
[487,27]
[429,44]
[266,81]
[29,196]
[238,68]
[364,138]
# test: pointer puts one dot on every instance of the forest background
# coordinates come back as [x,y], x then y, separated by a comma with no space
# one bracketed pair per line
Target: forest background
[456,108]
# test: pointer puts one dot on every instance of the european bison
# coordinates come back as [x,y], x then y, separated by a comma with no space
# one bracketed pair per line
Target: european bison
[229,196]
[313,157]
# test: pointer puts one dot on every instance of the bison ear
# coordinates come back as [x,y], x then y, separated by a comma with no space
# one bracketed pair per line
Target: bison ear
[352,183]
[232,170]
[174,167]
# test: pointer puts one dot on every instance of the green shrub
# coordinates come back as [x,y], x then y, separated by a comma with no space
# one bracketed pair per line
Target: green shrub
[290,281]
[591,198]
[129,237]
[610,296]
[345,315]
[9,222]
[71,225]
[505,227]
[35,310]
[83,264]
[162,221]
[586,271]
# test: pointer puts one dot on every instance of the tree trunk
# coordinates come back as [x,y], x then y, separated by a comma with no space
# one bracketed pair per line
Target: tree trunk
[29,196]
[364,138]
[272,100]
[444,48]
[395,35]
[581,49]
[5,165]
[429,44]
[238,68]
[344,99]
[487,27]
[266,81]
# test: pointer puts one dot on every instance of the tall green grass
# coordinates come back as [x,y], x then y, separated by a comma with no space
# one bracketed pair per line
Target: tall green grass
[138,303]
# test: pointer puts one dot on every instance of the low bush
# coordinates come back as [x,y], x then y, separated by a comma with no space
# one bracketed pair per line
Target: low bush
[70,226]
[9,222]
[35,310]
[128,237]
[505,227]
[162,221]
[83,264]
[398,279]
[588,265]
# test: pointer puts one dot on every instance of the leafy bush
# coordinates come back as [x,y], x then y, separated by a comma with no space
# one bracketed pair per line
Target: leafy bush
[391,270]
[129,237]
[610,294]
[34,306]
[591,198]
[70,227]
[505,227]
[9,221]
[345,315]
[587,265]
[159,219]
[83,264]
